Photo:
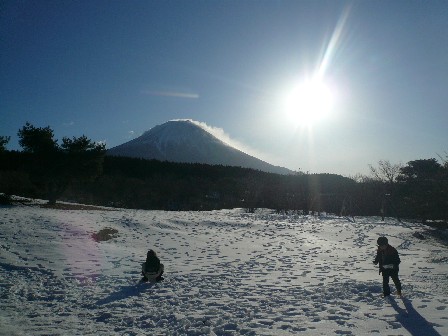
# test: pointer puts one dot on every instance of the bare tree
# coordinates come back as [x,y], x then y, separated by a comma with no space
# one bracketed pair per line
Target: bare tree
[444,159]
[386,171]
[360,178]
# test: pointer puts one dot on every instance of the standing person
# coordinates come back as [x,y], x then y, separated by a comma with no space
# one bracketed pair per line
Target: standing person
[388,260]
[152,268]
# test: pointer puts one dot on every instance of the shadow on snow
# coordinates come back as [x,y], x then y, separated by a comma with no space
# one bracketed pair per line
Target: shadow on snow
[126,292]
[411,319]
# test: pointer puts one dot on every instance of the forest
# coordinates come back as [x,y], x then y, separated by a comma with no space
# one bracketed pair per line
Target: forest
[80,171]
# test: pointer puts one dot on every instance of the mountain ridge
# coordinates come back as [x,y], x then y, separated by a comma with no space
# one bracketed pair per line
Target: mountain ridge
[186,141]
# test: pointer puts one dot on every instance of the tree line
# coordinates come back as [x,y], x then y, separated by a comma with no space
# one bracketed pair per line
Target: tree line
[79,170]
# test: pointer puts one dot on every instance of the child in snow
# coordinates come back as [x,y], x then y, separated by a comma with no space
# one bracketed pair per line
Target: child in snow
[152,269]
[388,260]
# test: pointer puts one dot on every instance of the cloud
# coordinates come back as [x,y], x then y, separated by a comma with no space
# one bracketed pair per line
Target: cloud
[130,135]
[224,137]
[173,94]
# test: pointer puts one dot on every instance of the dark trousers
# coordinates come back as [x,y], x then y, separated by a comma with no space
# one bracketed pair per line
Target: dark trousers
[390,274]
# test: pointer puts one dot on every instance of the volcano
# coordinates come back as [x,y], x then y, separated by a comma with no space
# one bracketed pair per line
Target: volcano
[187,141]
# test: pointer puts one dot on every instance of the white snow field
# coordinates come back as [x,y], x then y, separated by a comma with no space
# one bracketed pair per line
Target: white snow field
[226,273]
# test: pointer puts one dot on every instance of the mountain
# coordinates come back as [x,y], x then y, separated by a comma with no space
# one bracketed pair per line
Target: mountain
[186,141]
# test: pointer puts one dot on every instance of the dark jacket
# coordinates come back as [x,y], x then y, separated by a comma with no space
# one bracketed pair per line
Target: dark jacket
[152,264]
[389,256]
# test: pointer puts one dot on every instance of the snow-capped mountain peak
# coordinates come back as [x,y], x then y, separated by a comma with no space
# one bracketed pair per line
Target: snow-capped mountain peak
[188,141]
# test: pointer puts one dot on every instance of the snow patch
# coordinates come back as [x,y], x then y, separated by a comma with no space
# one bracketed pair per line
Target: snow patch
[227,273]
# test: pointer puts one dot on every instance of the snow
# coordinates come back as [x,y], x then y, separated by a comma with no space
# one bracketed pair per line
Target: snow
[175,133]
[226,273]
[194,142]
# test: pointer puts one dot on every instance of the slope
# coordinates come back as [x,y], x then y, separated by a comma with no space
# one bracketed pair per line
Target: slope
[227,273]
[186,141]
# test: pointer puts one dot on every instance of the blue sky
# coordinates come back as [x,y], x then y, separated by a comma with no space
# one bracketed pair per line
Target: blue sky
[114,69]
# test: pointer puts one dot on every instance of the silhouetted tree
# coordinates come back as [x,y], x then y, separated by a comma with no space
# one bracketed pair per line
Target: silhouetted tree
[422,188]
[386,175]
[3,142]
[386,171]
[53,167]
[420,170]
[84,158]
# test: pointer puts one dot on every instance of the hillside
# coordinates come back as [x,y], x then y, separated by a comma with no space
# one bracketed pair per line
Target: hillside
[186,141]
[227,273]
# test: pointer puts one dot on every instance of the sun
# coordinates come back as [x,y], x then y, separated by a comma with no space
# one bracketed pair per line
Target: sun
[309,102]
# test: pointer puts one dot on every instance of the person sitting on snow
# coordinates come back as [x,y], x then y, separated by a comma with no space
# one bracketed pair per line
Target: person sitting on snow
[388,259]
[152,269]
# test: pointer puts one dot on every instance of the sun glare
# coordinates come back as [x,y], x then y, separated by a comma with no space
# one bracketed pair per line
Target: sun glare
[308,102]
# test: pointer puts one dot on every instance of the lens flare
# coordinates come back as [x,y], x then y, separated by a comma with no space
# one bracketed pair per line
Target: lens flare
[309,101]
[313,99]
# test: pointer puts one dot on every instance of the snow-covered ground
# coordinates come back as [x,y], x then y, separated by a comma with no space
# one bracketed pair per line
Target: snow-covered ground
[226,273]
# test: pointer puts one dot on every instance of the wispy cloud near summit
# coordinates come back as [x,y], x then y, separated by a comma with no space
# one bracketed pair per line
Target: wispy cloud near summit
[172,94]
[224,137]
